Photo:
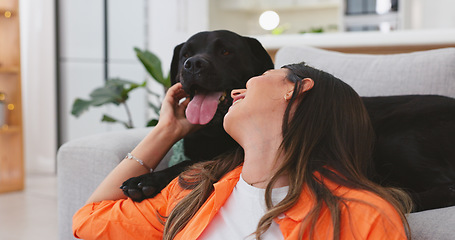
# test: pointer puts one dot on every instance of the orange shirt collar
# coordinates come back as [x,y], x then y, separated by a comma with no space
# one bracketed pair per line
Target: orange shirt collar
[224,188]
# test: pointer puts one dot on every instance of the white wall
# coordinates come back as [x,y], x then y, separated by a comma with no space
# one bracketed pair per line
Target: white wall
[172,22]
[38,84]
[428,14]
[82,61]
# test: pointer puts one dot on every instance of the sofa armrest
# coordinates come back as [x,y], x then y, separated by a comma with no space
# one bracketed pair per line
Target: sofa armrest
[83,163]
[433,224]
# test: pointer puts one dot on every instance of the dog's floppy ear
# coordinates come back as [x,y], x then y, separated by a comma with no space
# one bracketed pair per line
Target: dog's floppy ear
[263,60]
[175,64]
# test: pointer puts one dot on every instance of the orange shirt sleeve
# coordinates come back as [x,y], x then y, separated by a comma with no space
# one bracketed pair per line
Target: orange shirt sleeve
[125,219]
[375,220]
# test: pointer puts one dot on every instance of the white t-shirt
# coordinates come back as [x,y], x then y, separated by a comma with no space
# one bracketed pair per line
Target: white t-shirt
[240,215]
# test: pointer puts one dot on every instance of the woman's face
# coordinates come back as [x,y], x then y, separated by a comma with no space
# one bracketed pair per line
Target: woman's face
[262,101]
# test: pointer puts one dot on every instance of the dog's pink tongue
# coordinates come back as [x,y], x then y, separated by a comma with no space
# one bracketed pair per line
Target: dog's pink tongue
[202,108]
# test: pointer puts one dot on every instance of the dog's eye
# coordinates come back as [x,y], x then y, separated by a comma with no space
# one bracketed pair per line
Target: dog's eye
[186,55]
[225,52]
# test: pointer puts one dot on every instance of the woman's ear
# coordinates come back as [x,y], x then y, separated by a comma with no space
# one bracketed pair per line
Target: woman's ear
[288,95]
[307,84]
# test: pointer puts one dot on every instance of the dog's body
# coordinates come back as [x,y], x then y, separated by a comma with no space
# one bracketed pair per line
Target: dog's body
[415,134]
[415,146]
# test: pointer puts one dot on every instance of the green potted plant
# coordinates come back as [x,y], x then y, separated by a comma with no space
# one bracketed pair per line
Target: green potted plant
[116,91]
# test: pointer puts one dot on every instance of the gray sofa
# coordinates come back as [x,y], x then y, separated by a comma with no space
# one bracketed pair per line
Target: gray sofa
[83,163]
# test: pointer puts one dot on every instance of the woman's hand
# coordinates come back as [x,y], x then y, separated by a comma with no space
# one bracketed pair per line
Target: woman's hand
[171,127]
[172,114]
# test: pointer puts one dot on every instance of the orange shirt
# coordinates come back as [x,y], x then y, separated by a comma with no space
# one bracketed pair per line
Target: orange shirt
[126,219]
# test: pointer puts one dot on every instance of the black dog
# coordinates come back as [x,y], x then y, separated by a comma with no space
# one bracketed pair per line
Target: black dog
[209,65]
[414,148]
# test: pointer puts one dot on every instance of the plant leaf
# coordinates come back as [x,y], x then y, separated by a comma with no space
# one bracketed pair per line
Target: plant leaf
[131,88]
[110,119]
[123,87]
[167,82]
[152,123]
[80,106]
[153,65]
[120,82]
[107,94]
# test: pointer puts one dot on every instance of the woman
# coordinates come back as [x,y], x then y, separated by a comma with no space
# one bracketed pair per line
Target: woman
[306,142]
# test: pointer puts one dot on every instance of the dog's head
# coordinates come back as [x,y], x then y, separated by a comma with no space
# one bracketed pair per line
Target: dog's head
[210,64]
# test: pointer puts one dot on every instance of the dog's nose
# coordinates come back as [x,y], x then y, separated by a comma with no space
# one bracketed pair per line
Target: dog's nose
[195,64]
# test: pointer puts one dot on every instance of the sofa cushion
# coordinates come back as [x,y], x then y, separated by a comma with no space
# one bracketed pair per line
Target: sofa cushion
[433,224]
[424,72]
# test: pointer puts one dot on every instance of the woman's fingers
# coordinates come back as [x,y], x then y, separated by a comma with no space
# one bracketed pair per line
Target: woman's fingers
[176,92]
[173,111]
[173,108]
[184,104]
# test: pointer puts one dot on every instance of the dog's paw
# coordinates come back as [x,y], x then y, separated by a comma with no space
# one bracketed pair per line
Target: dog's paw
[144,186]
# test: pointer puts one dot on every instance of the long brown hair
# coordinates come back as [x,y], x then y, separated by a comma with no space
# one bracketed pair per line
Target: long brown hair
[328,131]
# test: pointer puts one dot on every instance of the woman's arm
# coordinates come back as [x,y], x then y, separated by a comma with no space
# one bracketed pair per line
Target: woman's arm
[171,127]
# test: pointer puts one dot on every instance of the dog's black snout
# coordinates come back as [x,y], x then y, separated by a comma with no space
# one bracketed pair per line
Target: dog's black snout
[195,64]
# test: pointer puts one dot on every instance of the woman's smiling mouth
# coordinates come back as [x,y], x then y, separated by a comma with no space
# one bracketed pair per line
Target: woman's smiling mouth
[236,101]
[238,98]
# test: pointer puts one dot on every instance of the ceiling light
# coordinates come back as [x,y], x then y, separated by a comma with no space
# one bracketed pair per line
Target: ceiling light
[269,20]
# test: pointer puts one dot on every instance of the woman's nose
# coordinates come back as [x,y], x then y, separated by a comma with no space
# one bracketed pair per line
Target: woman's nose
[236,92]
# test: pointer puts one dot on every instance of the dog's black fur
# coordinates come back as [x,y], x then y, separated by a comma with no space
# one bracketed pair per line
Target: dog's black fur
[414,148]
